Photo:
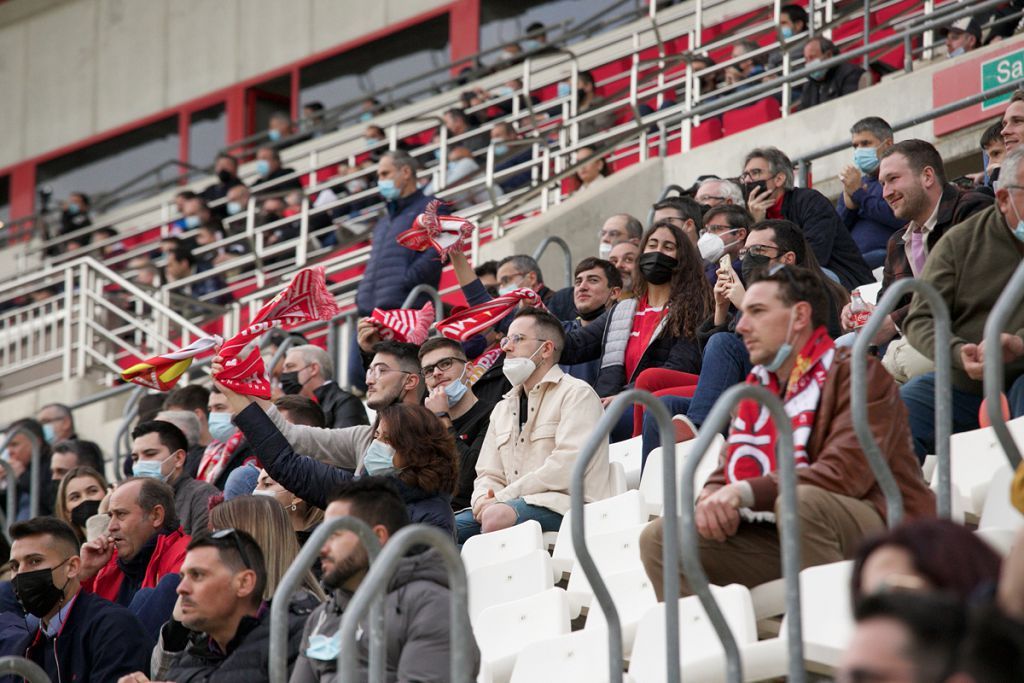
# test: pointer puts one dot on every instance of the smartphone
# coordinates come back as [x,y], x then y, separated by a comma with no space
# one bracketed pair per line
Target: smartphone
[725,263]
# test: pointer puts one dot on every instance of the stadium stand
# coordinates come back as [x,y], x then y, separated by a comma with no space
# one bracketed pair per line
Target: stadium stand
[791,445]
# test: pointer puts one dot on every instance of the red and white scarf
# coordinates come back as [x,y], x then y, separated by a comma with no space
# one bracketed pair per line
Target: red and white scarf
[443,233]
[464,324]
[405,324]
[305,299]
[216,457]
[752,437]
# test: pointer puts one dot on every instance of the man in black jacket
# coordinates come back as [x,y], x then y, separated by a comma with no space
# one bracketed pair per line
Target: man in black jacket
[224,628]
[308,371]
[768,185]
[831,83]
[447,373]
[79,635]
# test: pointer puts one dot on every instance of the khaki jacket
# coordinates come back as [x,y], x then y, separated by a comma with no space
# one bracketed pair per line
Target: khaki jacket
[537,463]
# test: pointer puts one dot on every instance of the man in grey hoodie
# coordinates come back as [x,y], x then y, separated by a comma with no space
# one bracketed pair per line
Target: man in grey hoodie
[416,608]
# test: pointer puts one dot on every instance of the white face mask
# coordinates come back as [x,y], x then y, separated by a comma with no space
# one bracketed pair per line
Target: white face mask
[604,249]
[711,247]
[518,370]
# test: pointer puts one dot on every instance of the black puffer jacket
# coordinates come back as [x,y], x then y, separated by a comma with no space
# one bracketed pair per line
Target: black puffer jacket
[341,409]
[247,660]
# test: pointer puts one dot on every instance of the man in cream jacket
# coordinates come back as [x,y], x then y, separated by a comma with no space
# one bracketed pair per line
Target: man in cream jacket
[536,433]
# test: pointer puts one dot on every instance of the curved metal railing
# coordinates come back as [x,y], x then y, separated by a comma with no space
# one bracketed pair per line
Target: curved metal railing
[716,422]
[376,582]
[432,292]
[670,554]
[943,395]
[995,378]
[566,254]
[292,580]
[27,669]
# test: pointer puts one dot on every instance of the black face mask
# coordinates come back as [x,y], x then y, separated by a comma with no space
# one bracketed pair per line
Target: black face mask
[290,383]
[84,511]
[36,592]
[656,267]
[748,188]
[753,263]
[593,315]
[225,176]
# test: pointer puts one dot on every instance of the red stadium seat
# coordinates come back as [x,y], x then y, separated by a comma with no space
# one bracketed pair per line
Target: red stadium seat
[760,112]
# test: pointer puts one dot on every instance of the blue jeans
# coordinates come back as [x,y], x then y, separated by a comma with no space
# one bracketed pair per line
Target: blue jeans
[874,258]
[466,526]
[919,396]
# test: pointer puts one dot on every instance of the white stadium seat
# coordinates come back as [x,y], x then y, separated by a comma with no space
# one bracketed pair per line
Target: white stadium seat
[651,483]
[499,546]
[503,630]
[616,551]
[602,516]
[511,580]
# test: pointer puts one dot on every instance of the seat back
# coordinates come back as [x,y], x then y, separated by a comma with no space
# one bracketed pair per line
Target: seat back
[651,482]
[998,512]
[602,516]
[503,630]
[500,546]
[514,579]
[616,551]
[580,657]
[633,594]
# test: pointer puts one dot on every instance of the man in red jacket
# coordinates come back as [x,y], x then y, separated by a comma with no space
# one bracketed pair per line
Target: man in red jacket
[839,502]
[143,544]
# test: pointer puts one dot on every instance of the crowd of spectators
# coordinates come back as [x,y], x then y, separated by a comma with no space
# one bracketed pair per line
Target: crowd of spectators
[170,574]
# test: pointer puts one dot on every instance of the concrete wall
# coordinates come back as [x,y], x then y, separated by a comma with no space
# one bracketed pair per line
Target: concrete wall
[74,68]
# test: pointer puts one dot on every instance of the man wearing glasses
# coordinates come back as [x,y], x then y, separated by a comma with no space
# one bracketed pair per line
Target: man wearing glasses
[536,432]
[393,377]
[446,374]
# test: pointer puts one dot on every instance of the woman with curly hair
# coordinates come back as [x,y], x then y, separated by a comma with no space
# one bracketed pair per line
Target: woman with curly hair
[655,329]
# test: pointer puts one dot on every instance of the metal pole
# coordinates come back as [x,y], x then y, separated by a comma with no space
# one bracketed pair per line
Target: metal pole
[376,582]
[12,494]
[292,580]
[787,522]
[288,342]
[943,390]
[671,546]
[803,173]
[995,377]
[866,59]
[421,289]
[25,668]
[566,253]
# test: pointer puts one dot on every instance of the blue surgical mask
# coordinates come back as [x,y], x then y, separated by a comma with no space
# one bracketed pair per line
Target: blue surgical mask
[1018,231]
[502,91]
[221,427]
[507,289]
[365,116]
[379,459]
[72,208]
[817,74]
[564,89]
[49,434]
[191,222]
[263,167]
[957,52]
[388,190]
[866,159]
[529,45]
[370,142]
[784,352]
[437,154]
[234,208]
[456,389]
[324,648]
[500,149]
[151,468]
[787,32]
[274,135]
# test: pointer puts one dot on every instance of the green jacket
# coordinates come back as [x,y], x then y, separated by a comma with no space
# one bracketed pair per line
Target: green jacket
[970,267]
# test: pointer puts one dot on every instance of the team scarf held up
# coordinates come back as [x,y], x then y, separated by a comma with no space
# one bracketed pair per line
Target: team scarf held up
[305,299]
[405,324]
[443,233]
[753,437]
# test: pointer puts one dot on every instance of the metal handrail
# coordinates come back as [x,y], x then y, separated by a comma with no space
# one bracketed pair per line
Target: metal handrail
[12,498]
[566,253]
[376,582]
[943,395]
[418,291]
[995,377]
[26,668]
[803,163]
[293,579]
[670,551]
[787,522]
[34,473]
